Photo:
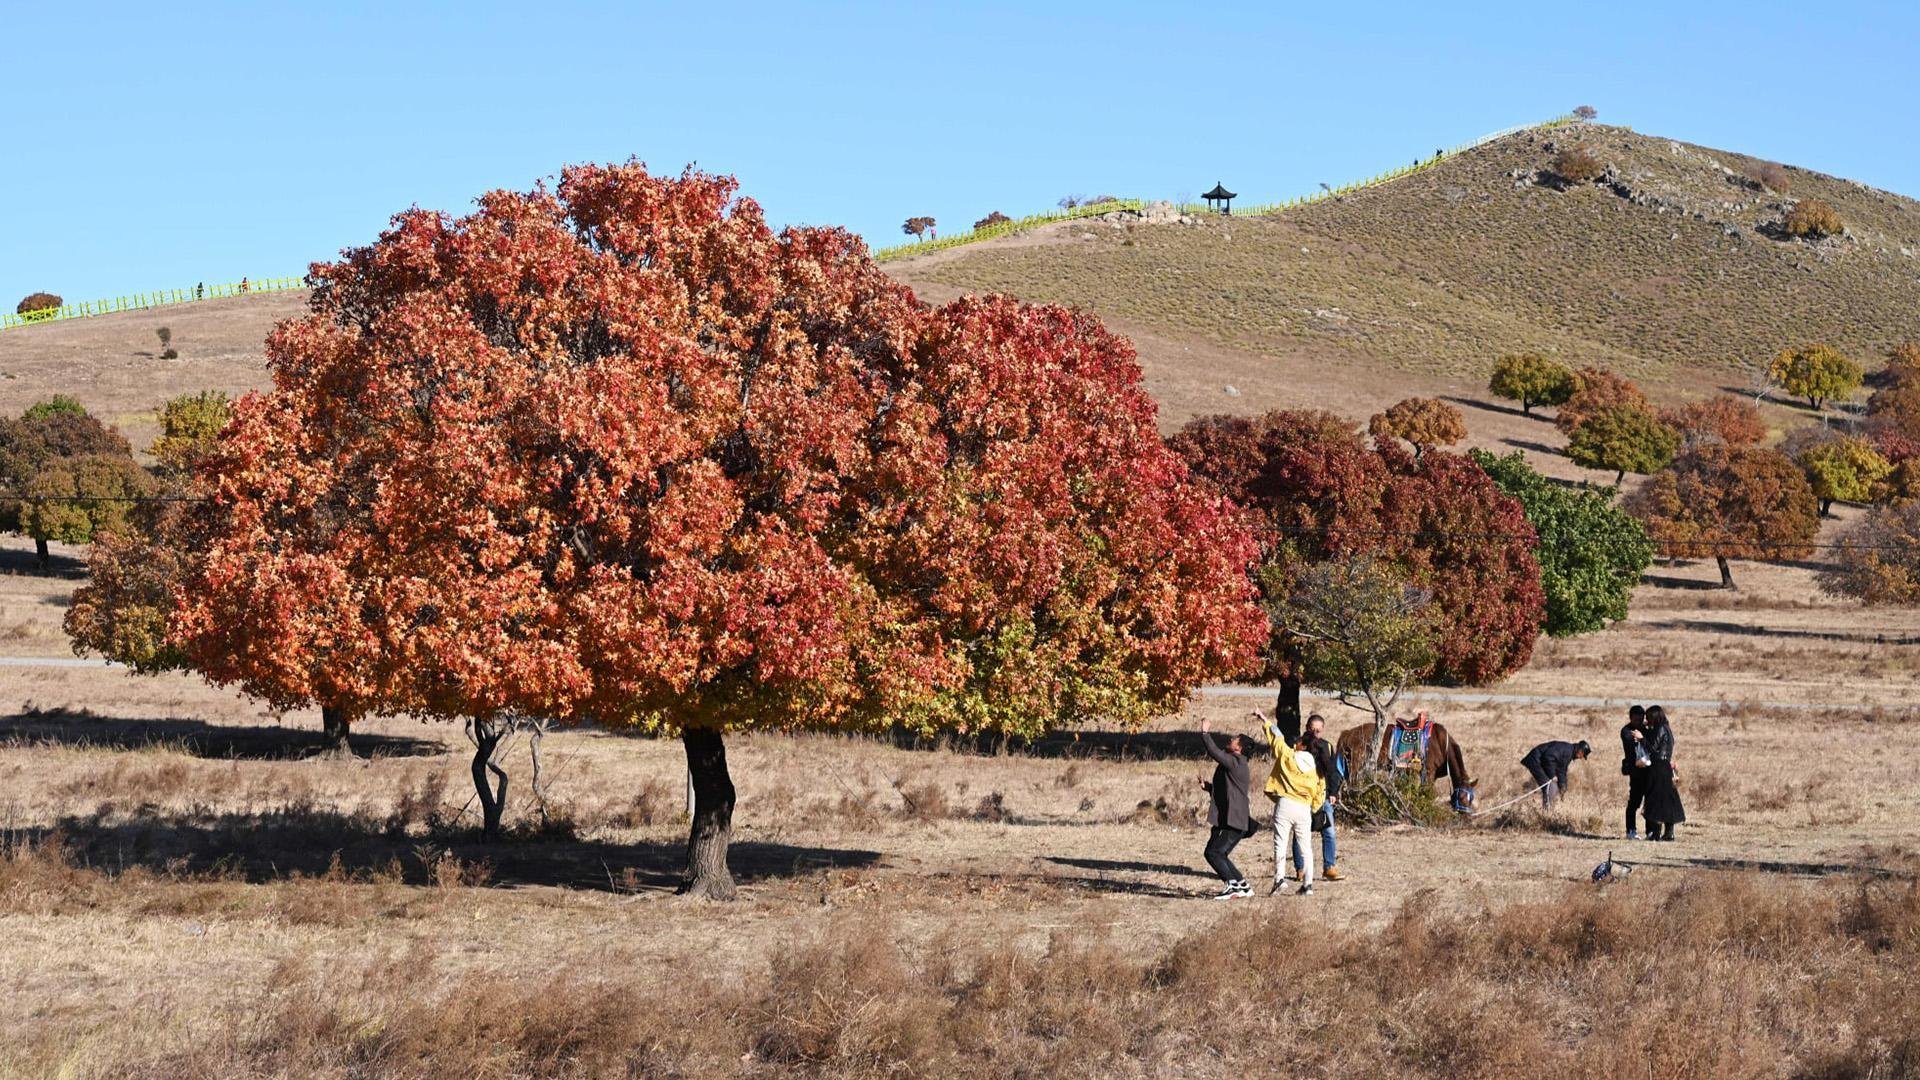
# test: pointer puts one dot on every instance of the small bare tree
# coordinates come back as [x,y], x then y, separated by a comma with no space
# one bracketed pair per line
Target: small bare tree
[1585,112]
[165,334]
[1367,633]
[489,736]
[1068,202]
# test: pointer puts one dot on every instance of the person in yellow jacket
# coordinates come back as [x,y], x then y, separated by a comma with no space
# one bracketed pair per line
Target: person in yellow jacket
[1297,790]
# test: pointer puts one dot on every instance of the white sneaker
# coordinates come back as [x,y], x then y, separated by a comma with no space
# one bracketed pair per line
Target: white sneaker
[1305,890]
[1233,891]
[1278,884]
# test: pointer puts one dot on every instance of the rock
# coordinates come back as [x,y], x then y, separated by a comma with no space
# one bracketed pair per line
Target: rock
[1231,391]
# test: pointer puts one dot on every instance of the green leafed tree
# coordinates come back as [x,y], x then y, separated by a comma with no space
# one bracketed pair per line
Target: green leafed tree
[1843,470]
[1623,438]
[189,425]
[1591,552]
[73,499]
[1366,630]
[1819,373]
[1531,379]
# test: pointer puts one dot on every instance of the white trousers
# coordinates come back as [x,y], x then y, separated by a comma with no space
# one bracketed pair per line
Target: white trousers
[1292,825]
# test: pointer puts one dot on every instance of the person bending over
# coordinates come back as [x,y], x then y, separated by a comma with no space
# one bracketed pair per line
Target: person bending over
[1547,764]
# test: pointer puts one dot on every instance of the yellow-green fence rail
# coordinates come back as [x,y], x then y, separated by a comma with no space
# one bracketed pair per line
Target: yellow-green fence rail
[1006,227]
[162,298]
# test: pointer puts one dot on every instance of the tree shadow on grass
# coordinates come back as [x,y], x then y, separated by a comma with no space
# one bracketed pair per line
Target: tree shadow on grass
[1790,869]
[197,738]
[1536,447]
[1488,406]
[1717,626]
[1091,745]
[1660,581]
[1122,866]
[25,563]
[260,847]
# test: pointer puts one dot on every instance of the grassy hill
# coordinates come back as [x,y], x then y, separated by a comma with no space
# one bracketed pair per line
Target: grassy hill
[1670,263]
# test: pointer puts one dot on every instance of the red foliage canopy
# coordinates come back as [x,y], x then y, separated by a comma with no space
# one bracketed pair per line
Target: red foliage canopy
[1316,490]
[619,452]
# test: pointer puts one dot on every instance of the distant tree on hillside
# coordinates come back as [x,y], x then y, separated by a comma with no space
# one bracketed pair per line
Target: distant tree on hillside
[1721,418]
[1812,218]
[1729,502]
[1531,379]
[1819,373]
[1591,552]
[995,218]
[1623,438]
[40,301]
[1771,175]
[189,427]
[917,227]
[1844,470]
[1878,560]
[1068,202]
[1903,363]
[71,499]
[1585,112]
[1423,422]
[1595,389]
[167,351]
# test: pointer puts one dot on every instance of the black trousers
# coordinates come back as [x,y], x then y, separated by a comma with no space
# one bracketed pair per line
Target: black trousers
[1636,794]
[1219,846]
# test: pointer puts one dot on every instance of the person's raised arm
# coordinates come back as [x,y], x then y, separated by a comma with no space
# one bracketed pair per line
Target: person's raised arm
[1213,749]
[1271,725]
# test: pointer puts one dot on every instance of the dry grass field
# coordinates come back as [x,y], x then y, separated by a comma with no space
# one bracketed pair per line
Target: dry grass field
[189,886]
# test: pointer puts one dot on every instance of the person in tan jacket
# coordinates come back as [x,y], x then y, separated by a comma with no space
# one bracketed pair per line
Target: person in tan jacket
[1297,790]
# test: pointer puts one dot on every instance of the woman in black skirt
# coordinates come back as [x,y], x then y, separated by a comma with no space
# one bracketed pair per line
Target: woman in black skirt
[1663,808]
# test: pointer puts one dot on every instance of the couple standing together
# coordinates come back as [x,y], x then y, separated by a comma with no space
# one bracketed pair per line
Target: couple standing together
[1304,785]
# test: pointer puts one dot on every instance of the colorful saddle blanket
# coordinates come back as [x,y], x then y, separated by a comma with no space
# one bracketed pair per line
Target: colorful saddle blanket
[1407,747]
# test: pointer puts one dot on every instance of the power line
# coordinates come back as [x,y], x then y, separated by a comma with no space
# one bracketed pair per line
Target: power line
[1551,539]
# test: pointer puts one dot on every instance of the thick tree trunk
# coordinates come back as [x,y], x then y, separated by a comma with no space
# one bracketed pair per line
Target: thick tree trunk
[334,726]
[1826,508]
[493,801]
[1286,711]
[712,827]
[1619,478]
[1726,572]
[40,549]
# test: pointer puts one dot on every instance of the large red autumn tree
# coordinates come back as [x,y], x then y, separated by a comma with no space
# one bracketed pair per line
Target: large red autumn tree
[1317,491]
[619,453]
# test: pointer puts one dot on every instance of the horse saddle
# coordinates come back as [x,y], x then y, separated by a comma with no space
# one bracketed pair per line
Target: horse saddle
[1407,746]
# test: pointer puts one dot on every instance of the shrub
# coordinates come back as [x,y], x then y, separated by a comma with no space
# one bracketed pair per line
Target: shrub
[167,351]
[57,405]
[1585,112]
[1820,373]
[1596,389]
[1722,418]
[1423,422]
[1878,560]
[1771,175]
[988,222]
[1576,166]
[40,301]
[1068,202]
[1531,379]
[1812,218]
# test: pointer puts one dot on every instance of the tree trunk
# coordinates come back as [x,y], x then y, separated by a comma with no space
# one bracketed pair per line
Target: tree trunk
[40,549]
[333,727]
[1286,711]
[1526,407]
[486,736]
[1619,478]
[1372,764]
[1726,572]
[712,827]
[1826,508]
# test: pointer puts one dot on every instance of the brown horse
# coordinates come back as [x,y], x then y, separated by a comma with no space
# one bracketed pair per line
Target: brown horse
[1442,758]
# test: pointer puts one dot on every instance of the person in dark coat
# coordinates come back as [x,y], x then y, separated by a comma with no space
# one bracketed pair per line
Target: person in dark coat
[1633,765]
[1547,764]
[1227,813]
[1663,793]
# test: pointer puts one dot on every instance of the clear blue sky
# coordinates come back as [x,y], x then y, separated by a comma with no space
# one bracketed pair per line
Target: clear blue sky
[155,145]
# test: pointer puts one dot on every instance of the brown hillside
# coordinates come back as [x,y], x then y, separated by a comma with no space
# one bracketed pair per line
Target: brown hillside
[1669,261]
